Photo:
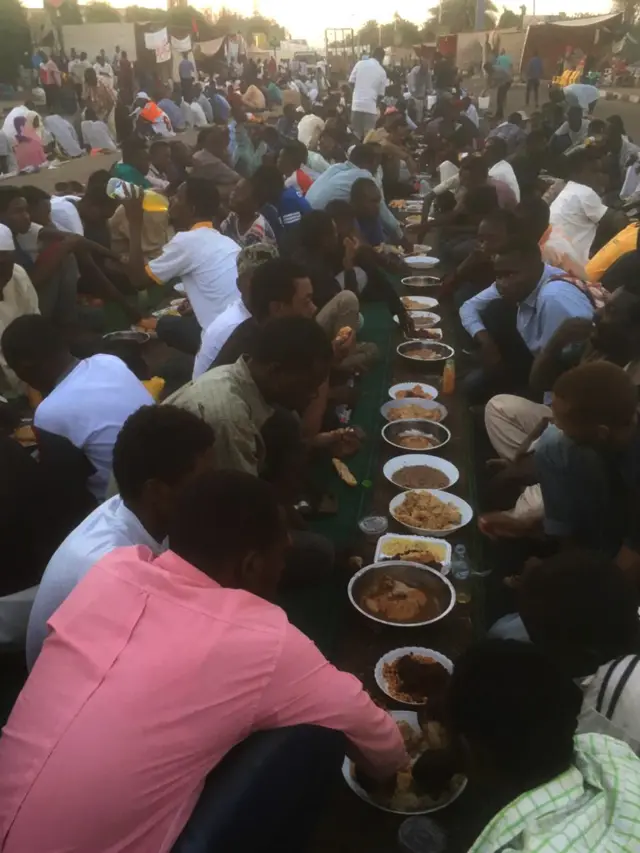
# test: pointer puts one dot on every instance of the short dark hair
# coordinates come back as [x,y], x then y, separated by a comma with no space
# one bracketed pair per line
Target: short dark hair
[378,53]
[474,163]
[364,156]
[274,281]
[577,162]
[500,144]
[224,514]
[480,201]
[158,144]
[202,196]
[599,392]
[581,606]
[158,443]
[534,212]
[522,244]
[294,343]
[267,183]
[8,195]
[31,338]
[296,151]
[515,118]
[509,697]
[131,146]
[362,186]
[98,180]
[503,219]
[340,208]
[34,195]
[315,227]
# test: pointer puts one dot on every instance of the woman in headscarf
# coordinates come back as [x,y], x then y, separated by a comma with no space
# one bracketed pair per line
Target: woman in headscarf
[27,147]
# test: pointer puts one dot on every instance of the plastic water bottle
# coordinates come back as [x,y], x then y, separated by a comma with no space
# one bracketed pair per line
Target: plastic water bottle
[152,200]
[425,187]
[461,574]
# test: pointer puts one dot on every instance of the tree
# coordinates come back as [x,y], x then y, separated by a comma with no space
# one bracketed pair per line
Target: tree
[140,14]
[460,15]
[369,34]
[15,42]
[70,13]
[99,12]
[509,18]
[400,33]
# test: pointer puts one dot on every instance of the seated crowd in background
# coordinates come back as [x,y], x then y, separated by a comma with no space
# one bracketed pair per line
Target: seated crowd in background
[150,504]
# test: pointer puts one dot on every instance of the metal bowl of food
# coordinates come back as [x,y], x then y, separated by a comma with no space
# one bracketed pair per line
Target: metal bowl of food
[426,352]
[401,594]
[416,434]
[128,335]
[422,281]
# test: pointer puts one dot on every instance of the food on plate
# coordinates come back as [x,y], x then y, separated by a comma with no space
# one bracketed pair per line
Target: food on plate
[344,473]
[427,334]
[389,249]
[412,551]
[422,322]
[414,411]
[429,781]
[422,509]
[414,440]
[423,353]
[414,219]
[414,678]
[397,203]
[416,391]
[343,334]
[412,304]
[420,477]
[398,601]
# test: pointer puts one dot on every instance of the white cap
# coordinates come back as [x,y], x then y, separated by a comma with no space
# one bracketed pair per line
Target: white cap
[6,240]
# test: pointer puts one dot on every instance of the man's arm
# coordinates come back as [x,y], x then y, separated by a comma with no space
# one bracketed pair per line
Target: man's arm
[548,364]
[470,310]
[569,302]
[305,688]
[136,267]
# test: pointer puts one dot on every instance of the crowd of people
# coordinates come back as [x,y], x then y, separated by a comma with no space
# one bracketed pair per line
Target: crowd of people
[151,503]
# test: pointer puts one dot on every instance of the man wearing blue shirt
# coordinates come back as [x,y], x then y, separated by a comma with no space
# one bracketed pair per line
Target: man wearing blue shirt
[534,75]
[514,318]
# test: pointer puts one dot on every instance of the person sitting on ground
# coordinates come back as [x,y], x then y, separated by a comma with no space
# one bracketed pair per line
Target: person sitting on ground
[528,162]
[495,155]
[514,423]
[95,134]
[217,333]
[135,163]
[205,104]
[282,207]
[542,298]
[245,224]
[617,261]
[160,165]
[85,401]
[365,202]
[556,250]
[573,131]
[311,126]
[335,184]
[325,155]
[391,136]
[621,153]
[211,160]
[157,452]
[28,149]
[232,662]
[512,131]
[18,296]
[287,124]
[171,107]
[587,462]
[582,609]
[578,211]
[540,782]
[292,162]
[199,255]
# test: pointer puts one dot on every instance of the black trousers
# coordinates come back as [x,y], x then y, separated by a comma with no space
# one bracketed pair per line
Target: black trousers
[533,88]
[501,98]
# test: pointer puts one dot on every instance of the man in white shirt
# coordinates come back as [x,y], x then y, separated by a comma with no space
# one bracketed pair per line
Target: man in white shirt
[17,297]
[581,95]
[77,67]
[85,401]
[578,210]
[310,127]
[199,255]
[369,81]
[104,71]
[158,450]
[495,153]
[217,334]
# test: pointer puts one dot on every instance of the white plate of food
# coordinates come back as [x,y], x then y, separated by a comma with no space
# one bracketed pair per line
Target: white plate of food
[413,389]
[421,319]
[428,551]
[420,471]
[430,512]
[401,594]
[425,351]
[418,303]
[422,281]
[406,798]
[416,434]
[413,408]
[421,262]
[401,673]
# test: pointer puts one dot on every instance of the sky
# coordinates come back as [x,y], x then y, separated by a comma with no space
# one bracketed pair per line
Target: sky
[308,20]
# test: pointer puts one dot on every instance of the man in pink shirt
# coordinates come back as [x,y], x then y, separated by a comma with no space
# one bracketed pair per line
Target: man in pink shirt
[154,668]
